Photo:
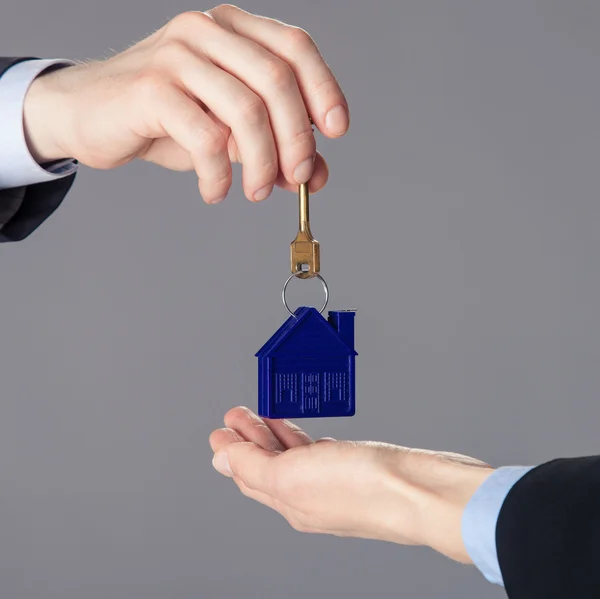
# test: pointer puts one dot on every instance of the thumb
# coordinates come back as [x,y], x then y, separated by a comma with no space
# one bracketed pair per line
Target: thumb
[246,461]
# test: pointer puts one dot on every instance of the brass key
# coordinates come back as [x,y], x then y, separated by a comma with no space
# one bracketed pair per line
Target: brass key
[304,250]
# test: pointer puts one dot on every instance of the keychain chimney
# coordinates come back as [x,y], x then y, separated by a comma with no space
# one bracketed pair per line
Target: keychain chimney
[343,322]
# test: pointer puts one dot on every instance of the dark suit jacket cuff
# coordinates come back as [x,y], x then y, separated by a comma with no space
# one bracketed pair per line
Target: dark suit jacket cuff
[548,532]
[37,204]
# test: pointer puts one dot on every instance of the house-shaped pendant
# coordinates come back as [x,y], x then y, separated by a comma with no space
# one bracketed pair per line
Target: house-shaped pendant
[306,369]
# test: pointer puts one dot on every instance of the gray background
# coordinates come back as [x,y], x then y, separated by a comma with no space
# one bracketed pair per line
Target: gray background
[461,219]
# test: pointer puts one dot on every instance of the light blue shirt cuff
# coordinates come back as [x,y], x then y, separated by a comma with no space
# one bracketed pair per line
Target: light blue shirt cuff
[481,516]
[17,166]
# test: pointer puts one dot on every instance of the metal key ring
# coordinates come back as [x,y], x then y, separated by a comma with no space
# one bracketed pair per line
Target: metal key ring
[317,276]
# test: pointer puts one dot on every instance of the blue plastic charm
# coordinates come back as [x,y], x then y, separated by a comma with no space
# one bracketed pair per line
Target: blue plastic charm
[306,369]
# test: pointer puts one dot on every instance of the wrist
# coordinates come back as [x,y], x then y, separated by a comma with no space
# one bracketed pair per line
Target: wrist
[434,491]
[44,118]
[443,505]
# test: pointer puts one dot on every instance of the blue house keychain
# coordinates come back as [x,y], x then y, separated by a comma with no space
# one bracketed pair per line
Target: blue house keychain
[307,368]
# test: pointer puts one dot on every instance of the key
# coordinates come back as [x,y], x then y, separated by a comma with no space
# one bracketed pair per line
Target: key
[304,250]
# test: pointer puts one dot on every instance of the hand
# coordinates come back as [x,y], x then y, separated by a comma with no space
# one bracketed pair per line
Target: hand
[367,490]
[205,90]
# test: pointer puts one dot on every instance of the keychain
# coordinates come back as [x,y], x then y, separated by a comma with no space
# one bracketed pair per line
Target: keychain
[307,368]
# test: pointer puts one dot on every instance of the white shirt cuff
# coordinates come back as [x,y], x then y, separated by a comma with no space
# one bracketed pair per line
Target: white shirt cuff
[18,168]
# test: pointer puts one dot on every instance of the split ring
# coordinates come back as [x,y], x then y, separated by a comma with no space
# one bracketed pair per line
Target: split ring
[323,283]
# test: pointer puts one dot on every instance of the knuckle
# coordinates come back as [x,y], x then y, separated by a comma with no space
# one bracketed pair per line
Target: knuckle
[305,138]
[215,182]
[322,86]
[185,20]
[299,526]
[211,141]
[252,109]
[279,72]
[173,51]
[150,85]
[300,434]
[224,8]
[270,443]
[299,40]
[220,181]
[246,491]
[270,168]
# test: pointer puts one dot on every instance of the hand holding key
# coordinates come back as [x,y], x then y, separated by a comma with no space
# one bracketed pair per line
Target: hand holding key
[207,89]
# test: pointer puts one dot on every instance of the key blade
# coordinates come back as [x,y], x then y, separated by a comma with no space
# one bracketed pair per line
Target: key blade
[305,255]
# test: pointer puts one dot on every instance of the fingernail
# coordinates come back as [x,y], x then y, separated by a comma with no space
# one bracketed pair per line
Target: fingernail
[337,120]
[221,464]
[304,170]
[263,194]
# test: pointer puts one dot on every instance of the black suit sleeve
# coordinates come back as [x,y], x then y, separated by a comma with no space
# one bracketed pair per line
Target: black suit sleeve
[548,532]
[25,208]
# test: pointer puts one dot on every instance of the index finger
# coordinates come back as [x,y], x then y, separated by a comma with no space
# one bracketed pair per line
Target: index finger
[324,99]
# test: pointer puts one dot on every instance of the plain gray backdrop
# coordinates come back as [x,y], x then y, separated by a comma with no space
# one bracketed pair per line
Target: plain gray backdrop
[461,220]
